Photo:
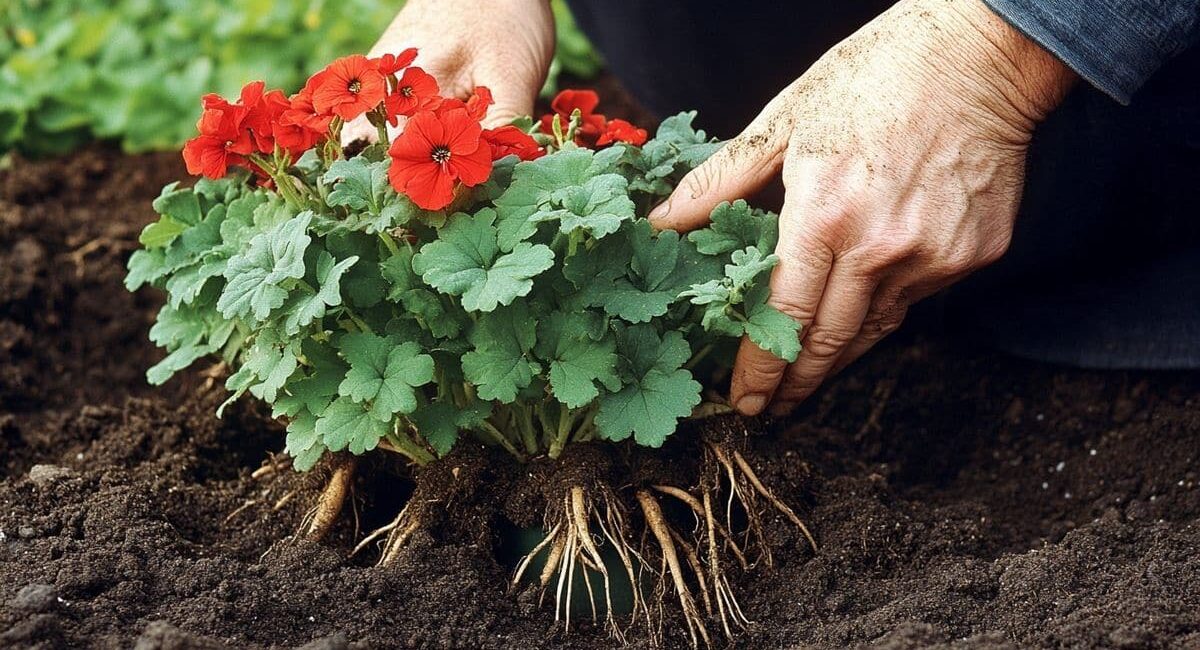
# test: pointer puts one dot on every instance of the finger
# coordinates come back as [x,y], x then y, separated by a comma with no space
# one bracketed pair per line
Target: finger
[737,170]
[514,95]
[797,285]
[887,311]
[839,319]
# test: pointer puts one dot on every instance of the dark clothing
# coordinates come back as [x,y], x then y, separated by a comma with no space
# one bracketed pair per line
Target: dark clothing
[1115,44]
[1104,268]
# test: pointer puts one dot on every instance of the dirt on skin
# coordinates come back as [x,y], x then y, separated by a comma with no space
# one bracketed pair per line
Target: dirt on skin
[961,499]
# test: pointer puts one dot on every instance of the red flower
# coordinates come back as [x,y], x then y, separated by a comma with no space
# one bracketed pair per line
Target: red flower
[435,150]
[222,142]
[476,105]
[349,87]
[621,131]
[302,111]
[479,101]
[292,135]
[263,110]
[392,63]
[508,140]
[415,91]
[591,124]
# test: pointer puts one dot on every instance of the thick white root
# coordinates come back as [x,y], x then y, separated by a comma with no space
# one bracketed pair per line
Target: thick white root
[572,546]
[319,521]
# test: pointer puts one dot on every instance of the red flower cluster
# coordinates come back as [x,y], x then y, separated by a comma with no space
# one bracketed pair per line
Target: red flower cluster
[594,129]
[442,146]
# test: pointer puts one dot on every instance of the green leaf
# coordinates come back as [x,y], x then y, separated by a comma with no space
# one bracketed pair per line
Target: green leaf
[499,364]
[271,360]
[746,266]
[303,442]
[577,362]
[352,182]
[384,373]
[769,328]
[173,327]
[663,266]
[161,232]
[465,261]
[181,358]
[734,226]
[440,421]
[649,409]
[256,278]
[598,207]
[437,422]
[362,186]
[179,205]
[312,392]
[574,186]
[307,305]
[348,425]
[145,266]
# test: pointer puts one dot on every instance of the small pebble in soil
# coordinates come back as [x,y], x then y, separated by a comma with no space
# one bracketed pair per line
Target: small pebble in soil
[43,475]
[25,532]
[35,599]
[1059,467]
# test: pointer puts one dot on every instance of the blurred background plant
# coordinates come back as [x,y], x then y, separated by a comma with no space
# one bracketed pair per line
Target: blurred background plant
[73,71]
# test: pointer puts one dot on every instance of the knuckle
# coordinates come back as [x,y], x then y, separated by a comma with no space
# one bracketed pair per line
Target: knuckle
[955,259]
[882,251]
[793,307]
[880,325]
[759,376]
[991,253]
[700,180]
[824,343]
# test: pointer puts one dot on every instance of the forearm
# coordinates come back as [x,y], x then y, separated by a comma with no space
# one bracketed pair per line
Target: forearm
[973,62]
[1116,45]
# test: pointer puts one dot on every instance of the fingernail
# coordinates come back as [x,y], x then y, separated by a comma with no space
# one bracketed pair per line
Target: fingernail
[751,404]
[660,211]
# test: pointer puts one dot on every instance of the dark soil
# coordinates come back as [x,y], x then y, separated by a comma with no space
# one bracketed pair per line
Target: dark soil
[961,499]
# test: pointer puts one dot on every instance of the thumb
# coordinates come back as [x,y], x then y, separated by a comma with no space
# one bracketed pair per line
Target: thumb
[738,169]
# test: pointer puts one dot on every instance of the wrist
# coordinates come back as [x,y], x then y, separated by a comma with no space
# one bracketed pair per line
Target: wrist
[1022,80]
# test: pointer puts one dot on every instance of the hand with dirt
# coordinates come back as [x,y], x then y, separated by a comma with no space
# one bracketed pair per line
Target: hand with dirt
[505,45]
[902,151]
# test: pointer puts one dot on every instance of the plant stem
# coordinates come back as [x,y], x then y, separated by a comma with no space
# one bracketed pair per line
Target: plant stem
[499,438]
[573,241]
[696,358]
[565,420]
[404,446]
[587,429]
[525,424]
[358,322]
[389,243]
[547,425]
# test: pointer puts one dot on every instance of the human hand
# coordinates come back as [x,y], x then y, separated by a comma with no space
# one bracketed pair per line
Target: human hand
[902,153]
[507,48]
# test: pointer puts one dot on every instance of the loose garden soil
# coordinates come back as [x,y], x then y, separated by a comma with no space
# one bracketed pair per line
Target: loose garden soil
[961,499]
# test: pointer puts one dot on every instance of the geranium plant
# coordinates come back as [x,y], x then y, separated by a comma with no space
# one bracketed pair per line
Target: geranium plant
[501,284]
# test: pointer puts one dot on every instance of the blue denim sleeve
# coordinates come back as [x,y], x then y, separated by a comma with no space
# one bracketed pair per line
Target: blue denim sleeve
[1116,45]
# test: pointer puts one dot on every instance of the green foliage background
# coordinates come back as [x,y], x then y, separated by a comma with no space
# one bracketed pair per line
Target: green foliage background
[72,71]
